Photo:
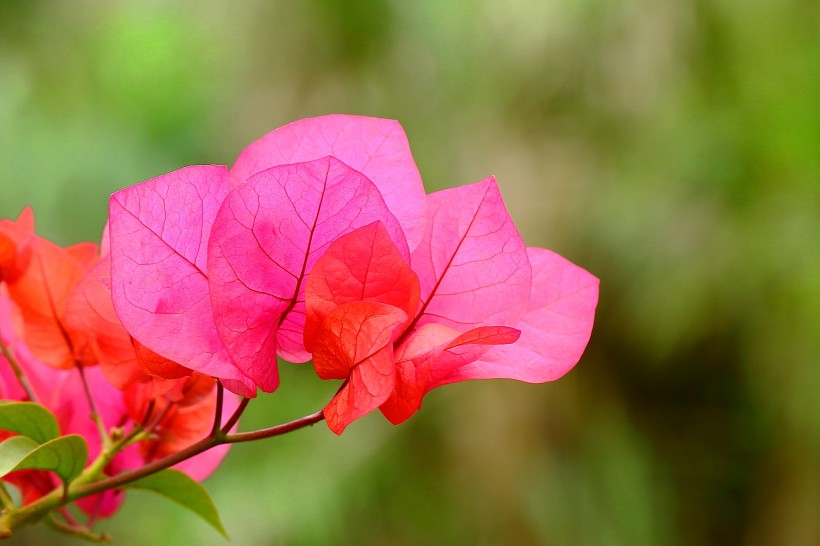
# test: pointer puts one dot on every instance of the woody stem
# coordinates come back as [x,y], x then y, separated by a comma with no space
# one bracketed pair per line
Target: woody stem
[194,449]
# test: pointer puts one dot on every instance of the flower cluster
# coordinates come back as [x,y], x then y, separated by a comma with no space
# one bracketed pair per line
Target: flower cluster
[61,340]
[319,244]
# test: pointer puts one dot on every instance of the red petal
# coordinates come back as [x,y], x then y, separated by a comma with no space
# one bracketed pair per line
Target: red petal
[364,265]
[356,342]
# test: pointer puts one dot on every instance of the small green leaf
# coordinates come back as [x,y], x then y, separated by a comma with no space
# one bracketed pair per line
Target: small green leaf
[13,451]
[184,490]
[66,456]
[29,419]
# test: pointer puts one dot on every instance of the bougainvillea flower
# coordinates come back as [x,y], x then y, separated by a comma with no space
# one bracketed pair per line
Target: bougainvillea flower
[294,191]
[477,288]
[159,239]
[268,234]
[63,393]
[377,148]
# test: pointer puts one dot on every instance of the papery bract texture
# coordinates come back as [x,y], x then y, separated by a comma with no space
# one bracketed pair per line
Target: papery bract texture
[41,291]
[90,309]
[434,352]
[555,329]
[355,343]
[376,147]
[364,265]
[159,238]
[269,233]
[472,263]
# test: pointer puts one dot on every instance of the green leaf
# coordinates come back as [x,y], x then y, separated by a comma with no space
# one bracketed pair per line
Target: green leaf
[184,490]
[29,419]
[66,456]
[13,451]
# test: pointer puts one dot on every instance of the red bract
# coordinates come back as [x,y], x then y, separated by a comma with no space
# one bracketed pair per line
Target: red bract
[355,343]
[91,310]
[40,289]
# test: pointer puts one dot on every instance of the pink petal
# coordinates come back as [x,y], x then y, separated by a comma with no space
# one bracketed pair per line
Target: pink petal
[159,238]
[472,263]
[375,147]
[364,265]
[355,342]
[554,331]
[267,236]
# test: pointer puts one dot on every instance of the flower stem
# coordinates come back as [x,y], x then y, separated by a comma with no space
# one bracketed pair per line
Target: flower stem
[194,449]
[89,484]
[18,372]
[77,531]
[278,430]
[220,393]
[235,417]
[95,416]
[5,498]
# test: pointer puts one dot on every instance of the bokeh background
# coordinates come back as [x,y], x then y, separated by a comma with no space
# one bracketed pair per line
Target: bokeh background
[671,147]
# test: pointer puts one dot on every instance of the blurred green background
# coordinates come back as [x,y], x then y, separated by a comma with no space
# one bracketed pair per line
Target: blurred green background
[671,147]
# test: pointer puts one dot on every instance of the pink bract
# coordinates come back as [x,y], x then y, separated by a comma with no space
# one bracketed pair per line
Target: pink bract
[555,329]
[159,241]
[377,148]
[472,262]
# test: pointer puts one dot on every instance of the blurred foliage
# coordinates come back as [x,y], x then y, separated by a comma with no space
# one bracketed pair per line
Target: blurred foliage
[672,148]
